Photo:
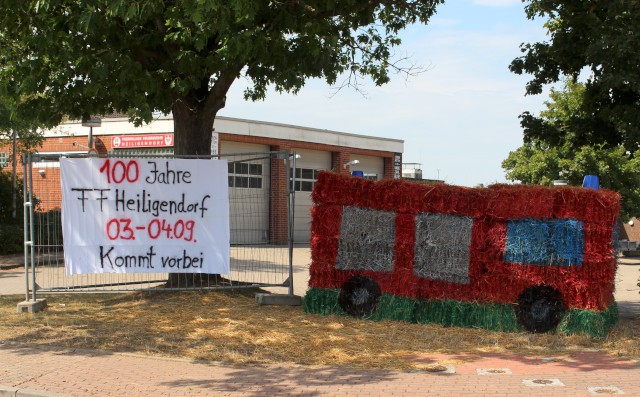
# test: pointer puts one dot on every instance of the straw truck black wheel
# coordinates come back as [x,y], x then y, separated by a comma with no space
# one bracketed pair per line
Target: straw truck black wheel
[359,296]
[540,309]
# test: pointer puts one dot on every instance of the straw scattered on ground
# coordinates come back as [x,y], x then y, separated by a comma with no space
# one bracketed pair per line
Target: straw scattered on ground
[232,328]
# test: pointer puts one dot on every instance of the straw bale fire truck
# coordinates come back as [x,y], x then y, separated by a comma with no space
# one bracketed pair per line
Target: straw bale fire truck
[398,249]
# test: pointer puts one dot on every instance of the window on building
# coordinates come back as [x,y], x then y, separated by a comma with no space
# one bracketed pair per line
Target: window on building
[306,179]
[4,159]
[245,175]
[145,151]
[368,175]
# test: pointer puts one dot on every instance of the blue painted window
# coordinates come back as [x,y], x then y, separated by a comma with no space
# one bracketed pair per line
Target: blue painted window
[557,242]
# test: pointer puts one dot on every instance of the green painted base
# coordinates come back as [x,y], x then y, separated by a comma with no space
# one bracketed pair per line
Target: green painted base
[450,313]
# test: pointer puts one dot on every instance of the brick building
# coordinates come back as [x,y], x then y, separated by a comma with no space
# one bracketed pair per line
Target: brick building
[377,158]
[629,231]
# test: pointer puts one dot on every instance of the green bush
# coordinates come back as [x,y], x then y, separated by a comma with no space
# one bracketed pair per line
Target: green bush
[11,238]
[11,229]
[6,198]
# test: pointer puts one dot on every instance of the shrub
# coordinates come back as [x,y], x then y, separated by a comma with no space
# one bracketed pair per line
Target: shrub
[6,198]
[11,229]
[11,239]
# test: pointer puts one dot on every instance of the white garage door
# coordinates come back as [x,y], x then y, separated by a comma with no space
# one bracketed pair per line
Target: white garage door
[307,168]
[373,167]
[249,189]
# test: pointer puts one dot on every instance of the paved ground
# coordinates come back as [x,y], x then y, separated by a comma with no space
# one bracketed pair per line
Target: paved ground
[12,272]
[28,371]
[90,373]
[627,291]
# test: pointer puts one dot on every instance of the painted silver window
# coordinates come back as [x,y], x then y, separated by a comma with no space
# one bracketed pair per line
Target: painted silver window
[442,247]
[367,240]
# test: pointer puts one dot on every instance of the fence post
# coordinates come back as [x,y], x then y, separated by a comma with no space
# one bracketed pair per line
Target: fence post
[291,203]
[31,232]
[25,224]
[29,305]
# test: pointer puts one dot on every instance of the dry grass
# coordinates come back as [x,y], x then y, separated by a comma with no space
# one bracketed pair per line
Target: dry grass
[232,328]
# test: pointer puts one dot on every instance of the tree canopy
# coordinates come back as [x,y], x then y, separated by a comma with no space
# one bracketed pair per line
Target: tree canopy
[89,57]
[101,56]
[539,162]
[14,123]
[597,40]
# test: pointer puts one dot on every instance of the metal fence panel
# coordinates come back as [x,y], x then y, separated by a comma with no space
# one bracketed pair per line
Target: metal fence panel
[260,255]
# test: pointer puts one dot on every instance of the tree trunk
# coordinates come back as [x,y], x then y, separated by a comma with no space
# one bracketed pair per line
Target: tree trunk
[193,128]
[193,118]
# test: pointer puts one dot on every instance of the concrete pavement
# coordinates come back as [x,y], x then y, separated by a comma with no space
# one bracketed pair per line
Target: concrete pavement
[12,273]
[627,292]
[12,279]
[28,371]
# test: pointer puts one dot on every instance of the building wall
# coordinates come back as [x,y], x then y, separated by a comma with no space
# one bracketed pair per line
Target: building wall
[629,232]
[72,137]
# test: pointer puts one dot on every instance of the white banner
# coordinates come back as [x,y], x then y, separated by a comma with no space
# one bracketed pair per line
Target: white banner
[137,215]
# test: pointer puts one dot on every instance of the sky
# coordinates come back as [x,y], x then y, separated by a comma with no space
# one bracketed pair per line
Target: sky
[458,119]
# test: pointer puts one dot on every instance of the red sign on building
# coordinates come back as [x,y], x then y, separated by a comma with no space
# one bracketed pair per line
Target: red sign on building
[147,140]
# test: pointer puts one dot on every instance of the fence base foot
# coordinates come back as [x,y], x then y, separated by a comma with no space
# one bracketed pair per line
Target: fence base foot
[31,306]
[278,299]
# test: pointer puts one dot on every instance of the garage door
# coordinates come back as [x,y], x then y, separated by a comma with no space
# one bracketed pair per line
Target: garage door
[307,168]
[249,189]
[373,167]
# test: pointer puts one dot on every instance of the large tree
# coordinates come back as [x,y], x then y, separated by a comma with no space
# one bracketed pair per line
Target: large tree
[596,40]
[19,131]
[83,57]
[540,162]
[14,122]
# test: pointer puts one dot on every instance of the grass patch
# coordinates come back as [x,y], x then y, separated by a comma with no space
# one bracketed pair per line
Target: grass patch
[232,328]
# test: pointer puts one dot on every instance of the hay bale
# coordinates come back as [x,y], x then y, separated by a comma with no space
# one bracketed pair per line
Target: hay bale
[476,247]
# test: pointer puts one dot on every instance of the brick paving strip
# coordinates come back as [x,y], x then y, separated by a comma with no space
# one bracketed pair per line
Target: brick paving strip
[75,372]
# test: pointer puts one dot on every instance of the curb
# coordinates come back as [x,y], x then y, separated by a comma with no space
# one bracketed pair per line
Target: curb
[12,266]
[6,391]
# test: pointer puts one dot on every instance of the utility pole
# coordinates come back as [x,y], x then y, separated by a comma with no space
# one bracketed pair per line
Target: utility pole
[14,181]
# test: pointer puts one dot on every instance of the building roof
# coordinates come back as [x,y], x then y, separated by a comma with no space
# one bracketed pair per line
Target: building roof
[118,125]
